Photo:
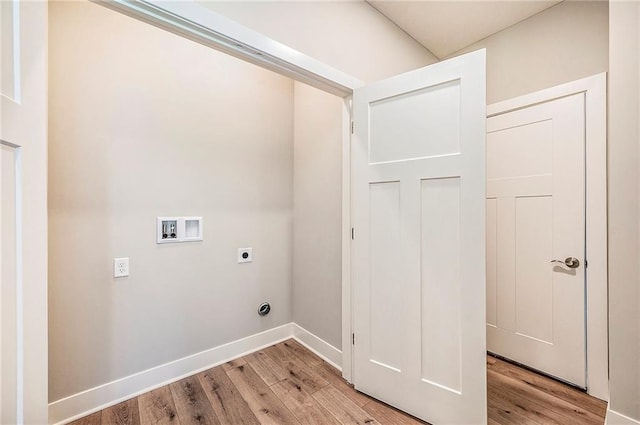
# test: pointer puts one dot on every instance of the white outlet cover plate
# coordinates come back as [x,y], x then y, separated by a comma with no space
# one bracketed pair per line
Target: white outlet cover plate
[249,257]
[121,267]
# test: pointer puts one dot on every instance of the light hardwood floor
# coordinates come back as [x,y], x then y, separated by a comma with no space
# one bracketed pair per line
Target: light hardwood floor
[519,396]
[287,384]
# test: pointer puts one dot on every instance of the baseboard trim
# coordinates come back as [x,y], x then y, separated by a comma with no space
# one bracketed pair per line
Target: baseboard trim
[615,418]
[92,400]
[319,346]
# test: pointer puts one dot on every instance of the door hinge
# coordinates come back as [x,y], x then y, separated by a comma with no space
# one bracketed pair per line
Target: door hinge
[352,127]
[353,236]
[353,339]
[586,263]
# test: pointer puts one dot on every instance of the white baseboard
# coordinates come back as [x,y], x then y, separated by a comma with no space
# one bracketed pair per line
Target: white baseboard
[615,418]
[92,400]
[319,346]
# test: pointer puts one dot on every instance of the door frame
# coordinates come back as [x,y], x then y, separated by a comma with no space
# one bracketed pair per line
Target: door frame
[594,89]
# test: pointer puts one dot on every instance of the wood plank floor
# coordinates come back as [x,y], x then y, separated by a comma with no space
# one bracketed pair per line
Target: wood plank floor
[287,384]
[519,396]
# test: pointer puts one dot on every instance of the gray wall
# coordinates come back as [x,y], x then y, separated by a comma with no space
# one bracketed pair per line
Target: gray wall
[561,44]
[624,210]
[145,124]
[317,213]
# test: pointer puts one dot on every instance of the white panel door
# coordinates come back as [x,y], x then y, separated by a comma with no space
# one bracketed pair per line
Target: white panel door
[418,194]
[535,215]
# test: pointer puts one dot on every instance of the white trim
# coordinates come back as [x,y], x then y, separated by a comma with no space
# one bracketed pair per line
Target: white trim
[19,286]
[347,323]
[595,90]
[203,25]
[92,400]
[615,418]
[323,349]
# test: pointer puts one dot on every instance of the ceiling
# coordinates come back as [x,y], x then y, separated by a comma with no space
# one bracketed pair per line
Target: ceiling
[444,27]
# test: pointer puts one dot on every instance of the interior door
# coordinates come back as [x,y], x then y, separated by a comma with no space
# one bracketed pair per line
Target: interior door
[536,222]
[418,212]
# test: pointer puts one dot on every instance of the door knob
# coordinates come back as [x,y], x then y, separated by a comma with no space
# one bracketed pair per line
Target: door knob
[570,262]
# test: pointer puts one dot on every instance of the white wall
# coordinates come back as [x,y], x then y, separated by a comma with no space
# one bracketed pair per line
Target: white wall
[144,124]
[25,124]
[624,211]
[561,44]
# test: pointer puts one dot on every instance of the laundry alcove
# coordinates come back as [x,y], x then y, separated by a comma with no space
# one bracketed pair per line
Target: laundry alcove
[145,123]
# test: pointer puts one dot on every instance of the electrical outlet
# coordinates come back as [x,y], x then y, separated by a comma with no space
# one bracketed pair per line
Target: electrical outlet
[121,267]
[245,255]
